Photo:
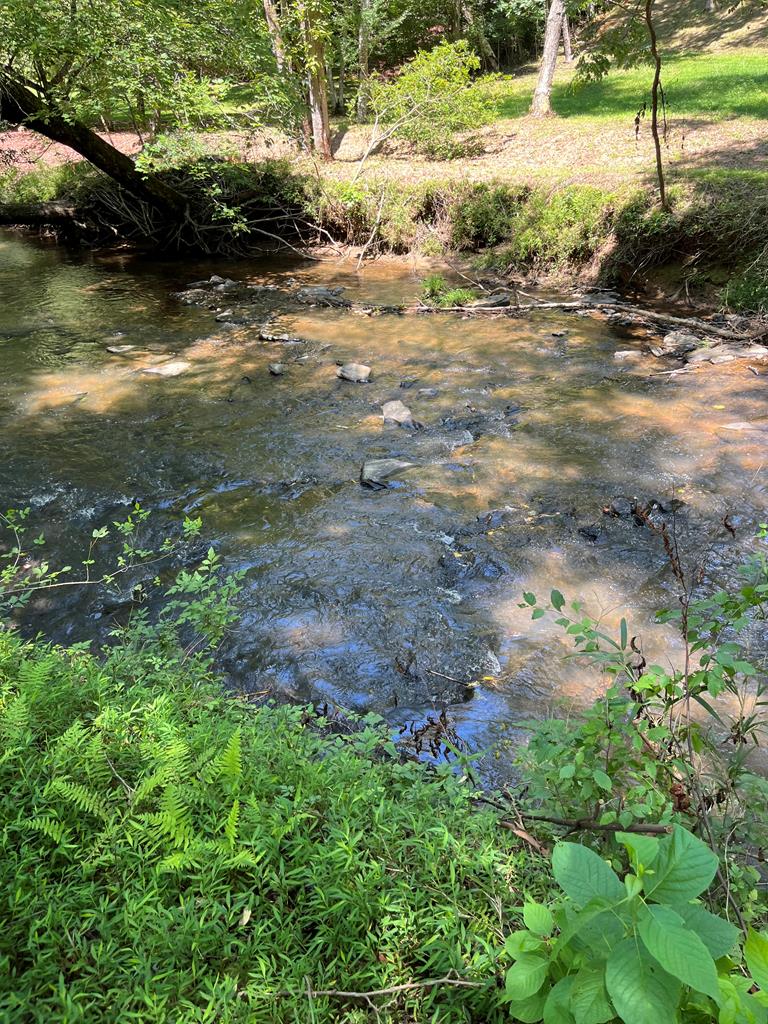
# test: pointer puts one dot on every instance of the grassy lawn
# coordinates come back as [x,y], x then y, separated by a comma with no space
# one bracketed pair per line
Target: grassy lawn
[715,85]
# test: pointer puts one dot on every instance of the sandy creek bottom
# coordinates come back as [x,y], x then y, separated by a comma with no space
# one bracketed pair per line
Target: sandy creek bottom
[406,600]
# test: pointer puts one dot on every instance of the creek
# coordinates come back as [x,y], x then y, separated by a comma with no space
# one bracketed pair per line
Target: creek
[405,600]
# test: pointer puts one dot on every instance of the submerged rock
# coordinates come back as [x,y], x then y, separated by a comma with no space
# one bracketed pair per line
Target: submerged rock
[357,373]
[277,369]
[320,296]
[282,339]
[398,413]
[172,369]
[376,472]
[628,355]
[121,350]
[428,392]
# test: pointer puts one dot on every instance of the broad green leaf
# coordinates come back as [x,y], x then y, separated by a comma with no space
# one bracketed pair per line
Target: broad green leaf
[522,942]
[583,875]
[756,955]
[538,918]
[683,869]
[718,936]
[642,849]
[641,991]
[556,1008]
[557,599]
[567,771]
[679,951]
[589,999]
[530,1010]
[603,780]
[526,976]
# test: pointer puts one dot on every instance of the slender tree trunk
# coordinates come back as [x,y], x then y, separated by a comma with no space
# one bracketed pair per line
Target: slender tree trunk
[318,90]
[330,85]
[363,60]
[567,50]
[477,31]
[275,34]
[20,105]
[710,6]
[340,97]
[655,103]
[542,103]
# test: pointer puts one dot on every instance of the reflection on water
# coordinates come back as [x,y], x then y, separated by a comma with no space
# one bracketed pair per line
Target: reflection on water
[394,600]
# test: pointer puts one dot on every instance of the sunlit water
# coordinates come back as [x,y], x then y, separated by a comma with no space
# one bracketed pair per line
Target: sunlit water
[401,600]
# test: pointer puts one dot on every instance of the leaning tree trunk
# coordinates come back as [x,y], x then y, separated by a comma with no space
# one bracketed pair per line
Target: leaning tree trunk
[542,103]
[486,50]
[363,57]
[567,49]
[19,105]
[655,88]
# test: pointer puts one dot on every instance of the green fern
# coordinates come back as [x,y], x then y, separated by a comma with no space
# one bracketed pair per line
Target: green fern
[175,818]
[83,798]
[231,824]
[230,762]
[50,827]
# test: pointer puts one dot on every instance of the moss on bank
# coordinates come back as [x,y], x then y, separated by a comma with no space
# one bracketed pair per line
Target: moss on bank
[714,234]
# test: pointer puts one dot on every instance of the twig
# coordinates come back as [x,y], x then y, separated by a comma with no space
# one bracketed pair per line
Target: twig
[392,990]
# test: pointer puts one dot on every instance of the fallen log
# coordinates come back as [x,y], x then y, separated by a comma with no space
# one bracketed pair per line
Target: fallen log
[36,214]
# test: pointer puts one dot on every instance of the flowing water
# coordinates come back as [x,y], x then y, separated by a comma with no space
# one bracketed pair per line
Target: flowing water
[404,600]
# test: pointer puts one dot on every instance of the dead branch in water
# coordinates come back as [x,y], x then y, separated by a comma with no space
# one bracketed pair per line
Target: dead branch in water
[639,313]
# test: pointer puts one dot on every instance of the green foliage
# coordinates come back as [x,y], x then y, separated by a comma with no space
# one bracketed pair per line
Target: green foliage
[432,99]
[435,291]
[485,215]
[747,291]
[169,852]
[639,949]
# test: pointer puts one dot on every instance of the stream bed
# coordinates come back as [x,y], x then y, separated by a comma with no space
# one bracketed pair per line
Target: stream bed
[536,443]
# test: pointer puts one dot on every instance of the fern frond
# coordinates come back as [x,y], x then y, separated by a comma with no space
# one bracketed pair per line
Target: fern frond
[175,817]
[230,762]
[50,827]
[230,825]
[82,797]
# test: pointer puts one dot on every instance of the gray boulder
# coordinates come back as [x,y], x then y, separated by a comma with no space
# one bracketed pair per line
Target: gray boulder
[356,373]
[677,343]
[376,473]
[398,413]
[319,296]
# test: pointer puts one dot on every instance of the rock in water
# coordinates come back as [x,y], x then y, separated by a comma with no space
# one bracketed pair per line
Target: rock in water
[357,373]
[376,472]
[168,369]
[319,296]
[677,343]
[397,412]
[277,369]
[121,350]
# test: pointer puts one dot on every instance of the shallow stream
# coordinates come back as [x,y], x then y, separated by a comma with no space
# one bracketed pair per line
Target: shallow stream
[403,600]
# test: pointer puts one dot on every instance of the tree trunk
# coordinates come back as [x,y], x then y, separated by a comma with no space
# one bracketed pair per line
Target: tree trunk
[567,50]
[363,57]
[655,103]
[318,91]
[710,6]
[486,50]
[331,87]
[542,104]
[20,105]
[275,34]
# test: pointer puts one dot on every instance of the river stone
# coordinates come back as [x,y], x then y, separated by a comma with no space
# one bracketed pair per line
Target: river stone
[628,355]
[357,373]
[376,472]
[277,369]
[319,296]
[495,301]
[283,339]
[398,413]
[428,392]
[172,369]
[676,343]
[121,350]
[699,355]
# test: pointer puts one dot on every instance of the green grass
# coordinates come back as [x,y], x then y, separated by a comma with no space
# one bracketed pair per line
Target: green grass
[718,86]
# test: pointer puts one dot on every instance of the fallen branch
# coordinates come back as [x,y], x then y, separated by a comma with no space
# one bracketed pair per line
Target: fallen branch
[28,214]
[335,993]
[573,824]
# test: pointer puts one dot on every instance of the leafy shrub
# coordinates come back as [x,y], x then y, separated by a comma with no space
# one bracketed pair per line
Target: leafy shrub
[637,949]
[485,215]
[432,99]
[747,291]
